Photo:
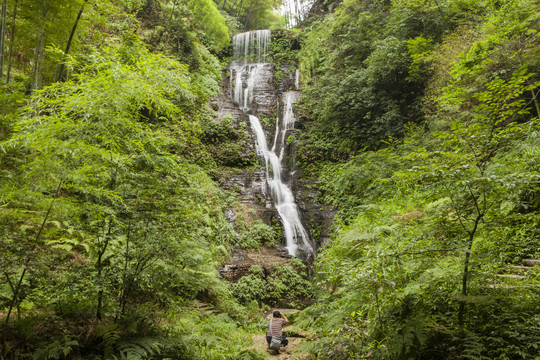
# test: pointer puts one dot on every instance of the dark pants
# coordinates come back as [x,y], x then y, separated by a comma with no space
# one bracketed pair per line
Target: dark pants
[284,340]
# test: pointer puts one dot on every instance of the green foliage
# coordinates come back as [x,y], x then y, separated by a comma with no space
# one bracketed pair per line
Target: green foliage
[420,50]
[364,94]
[210,337]
[111,228]
[33,62]
[277,285]
[254,14]
[290,140]
[366,83]
[166,28]
[251,286]
[427,225]
[284,48]
[207,18]
[227,143]
[125,225]
[267,120]
[288,285]
[257,235]
[11,99]
[184,332]
[57,349]
[251,355]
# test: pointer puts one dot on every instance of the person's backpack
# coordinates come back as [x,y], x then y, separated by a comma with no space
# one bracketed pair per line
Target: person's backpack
[275,343]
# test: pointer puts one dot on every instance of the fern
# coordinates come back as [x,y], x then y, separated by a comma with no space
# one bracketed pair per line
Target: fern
[57,349]
[110,335]
[140,348]
[472,347]
[251,355]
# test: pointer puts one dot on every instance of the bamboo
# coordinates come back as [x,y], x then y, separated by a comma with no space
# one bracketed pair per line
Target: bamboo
[68,46]
[2,37]
[11,41]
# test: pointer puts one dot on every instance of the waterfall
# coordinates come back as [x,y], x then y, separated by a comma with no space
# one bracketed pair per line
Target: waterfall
[289,99]
[295,11]
[250,53]
[250,45]
[295,233]
[247,78]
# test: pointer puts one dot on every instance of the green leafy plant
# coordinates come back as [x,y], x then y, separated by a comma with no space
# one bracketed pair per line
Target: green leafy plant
[257,235]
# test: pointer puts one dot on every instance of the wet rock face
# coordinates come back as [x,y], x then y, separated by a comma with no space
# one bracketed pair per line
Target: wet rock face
[250,183]
[224,105]
[257,81]
[264,93]
[242,261]
[319,216]
[287,78]
[237,267]
[252,189]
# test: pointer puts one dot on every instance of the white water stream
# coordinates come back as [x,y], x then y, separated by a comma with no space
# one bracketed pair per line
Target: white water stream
[251,46]
[250,52]
[295,11]
[245,76]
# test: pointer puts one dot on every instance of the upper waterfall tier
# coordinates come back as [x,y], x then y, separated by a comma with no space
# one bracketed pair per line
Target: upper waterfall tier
[295,11]
[251,46]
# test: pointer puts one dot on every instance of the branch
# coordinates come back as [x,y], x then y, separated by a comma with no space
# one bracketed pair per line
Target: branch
[9,281]
[49,210]
[535,100]
[475,198]
[457,212]
[485,204]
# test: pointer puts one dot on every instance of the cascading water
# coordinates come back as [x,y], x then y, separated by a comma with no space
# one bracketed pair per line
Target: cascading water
[250,51]
[247,45]
[295,11]
[246,76]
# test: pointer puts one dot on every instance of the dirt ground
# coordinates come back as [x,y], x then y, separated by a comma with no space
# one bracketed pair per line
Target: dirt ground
[291,351]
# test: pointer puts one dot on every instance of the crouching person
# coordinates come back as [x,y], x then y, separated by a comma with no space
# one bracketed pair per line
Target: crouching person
[274,335]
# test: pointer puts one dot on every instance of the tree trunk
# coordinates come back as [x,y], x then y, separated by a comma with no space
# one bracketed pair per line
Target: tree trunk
[465,277]
[442,15]
[68,46]
[38,236]
[100,291]
[38,55]
[11,40]
[125,276]
[461,310]
[15,293]
[99,265]
[237,8]
[34,65]
[172,12]
[250,15]
[2,37]
[41,59]
[535,100]
[101,252]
